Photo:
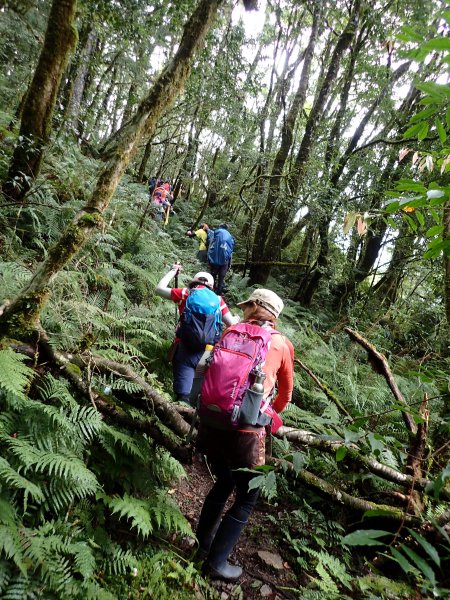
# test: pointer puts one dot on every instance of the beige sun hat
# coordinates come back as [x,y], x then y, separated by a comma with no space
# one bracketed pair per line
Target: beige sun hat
[267,299]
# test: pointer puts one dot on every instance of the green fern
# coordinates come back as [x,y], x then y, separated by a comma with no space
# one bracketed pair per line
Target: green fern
[12,479]
[14,374]
[329,569]
[111,437]
[157,511]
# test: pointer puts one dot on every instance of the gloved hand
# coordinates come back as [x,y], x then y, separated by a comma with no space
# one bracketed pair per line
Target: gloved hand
[189,233]
[177,267]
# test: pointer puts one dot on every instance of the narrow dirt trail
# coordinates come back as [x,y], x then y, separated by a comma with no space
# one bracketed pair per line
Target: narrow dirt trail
[260,579]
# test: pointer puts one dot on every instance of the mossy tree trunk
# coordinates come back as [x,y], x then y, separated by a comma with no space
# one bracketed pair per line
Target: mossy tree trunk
[446,235]
[21,317]
[273,221]
[35,126]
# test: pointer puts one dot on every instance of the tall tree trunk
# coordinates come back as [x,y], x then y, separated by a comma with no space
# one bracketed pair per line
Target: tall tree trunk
[386,289]
[446,236]
[35,126]
[21,317]
[261,253]
[144,161]
[268,246]
[79,83]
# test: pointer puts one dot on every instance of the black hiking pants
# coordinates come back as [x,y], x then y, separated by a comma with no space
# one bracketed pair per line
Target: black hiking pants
[219,272]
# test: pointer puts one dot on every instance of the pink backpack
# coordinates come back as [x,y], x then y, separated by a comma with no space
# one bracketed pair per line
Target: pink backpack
[229,376]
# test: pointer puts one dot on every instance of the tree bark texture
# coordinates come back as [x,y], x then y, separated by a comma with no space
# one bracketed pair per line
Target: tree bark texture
[80,80]
[259,253]
[35,126]
[446,235]
[26,308]
[267,245]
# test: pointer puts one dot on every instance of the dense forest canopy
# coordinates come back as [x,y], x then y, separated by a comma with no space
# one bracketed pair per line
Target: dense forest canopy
[318,131]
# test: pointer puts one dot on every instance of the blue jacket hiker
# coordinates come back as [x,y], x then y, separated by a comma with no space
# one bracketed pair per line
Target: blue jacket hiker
[202,313]
[220,250]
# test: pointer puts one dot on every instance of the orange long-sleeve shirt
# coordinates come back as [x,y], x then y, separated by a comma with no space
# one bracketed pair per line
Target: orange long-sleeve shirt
[279,368]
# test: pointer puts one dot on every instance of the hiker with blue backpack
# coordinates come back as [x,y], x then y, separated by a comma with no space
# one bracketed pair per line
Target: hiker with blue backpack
[220,250]
[202,315]
[249,381]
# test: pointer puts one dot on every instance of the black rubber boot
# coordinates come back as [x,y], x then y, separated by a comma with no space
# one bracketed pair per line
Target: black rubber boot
[226,537]
[207,527]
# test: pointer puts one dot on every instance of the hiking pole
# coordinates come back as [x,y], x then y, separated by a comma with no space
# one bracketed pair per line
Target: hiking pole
[175,280]
[166,220]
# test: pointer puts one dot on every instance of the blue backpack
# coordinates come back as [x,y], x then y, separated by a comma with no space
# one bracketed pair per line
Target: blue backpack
[201,320]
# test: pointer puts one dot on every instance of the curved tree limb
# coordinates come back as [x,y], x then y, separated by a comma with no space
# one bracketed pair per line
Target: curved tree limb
[338,495]
[325,389]
[380,364]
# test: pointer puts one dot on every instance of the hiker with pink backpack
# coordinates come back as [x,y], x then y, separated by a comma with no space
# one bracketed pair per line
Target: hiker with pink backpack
[237,405]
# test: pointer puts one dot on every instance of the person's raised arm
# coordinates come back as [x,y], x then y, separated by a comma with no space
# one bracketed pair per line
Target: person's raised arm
[229,319]
[163,289]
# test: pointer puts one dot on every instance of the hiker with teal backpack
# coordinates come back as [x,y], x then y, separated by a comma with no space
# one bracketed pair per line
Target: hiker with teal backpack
[202,315]
[237,405]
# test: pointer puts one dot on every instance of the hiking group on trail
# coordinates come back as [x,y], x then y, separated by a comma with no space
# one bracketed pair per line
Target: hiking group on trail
[161,198]
[216,248]
[202,236]
[243,379]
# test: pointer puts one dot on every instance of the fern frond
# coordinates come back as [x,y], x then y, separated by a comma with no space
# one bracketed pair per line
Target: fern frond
[14,374]
[10,545]
[145,514]
[70,468]
[126,442]
[51,388]
[121,562]
[13,480]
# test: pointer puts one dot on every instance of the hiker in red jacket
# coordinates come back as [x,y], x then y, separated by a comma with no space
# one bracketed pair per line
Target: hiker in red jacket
[241,447]
[187,355]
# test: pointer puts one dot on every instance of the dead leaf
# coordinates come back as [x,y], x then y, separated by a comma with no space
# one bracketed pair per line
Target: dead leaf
[403,152]
[361,226]
[415,158]
[349,221]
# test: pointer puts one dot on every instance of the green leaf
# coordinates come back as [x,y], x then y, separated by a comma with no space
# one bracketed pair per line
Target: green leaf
[441,130]
[429,549]
[402,561]
[408,34]
[421,564]
[434,251]
[352,436]
[392,223]
[447,117]
[392,207]
[434,89]
[436,217]
[376,444]
[412,131]
[365,537]
[423,131]
[435,230]
[419,216]
[298,461]
[409,185]
[341,453]
[422,115]
[412,224]
[437,44]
